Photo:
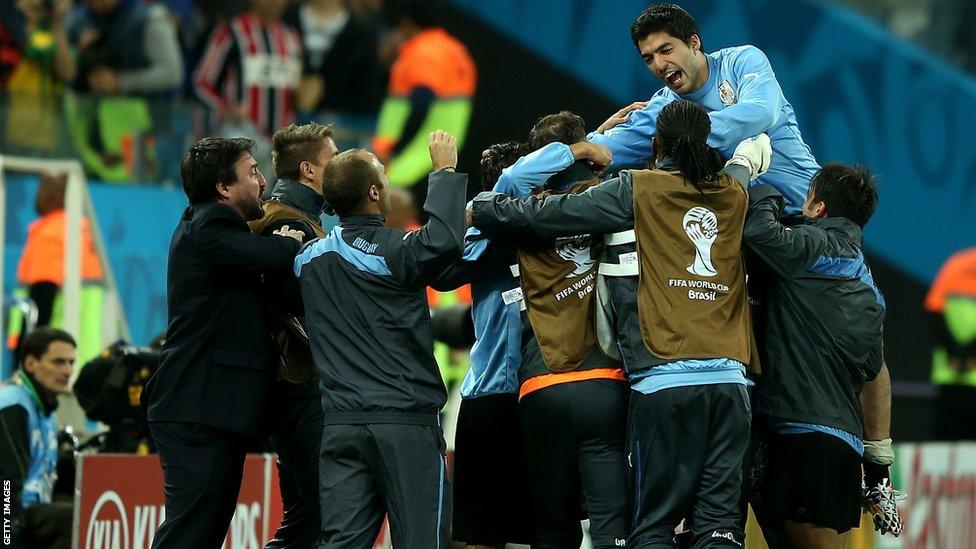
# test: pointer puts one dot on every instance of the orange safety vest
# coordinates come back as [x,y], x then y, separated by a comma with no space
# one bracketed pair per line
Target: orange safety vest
[43,257]
[432,59]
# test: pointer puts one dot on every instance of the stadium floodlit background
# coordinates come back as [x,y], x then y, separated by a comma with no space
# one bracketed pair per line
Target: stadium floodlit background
[890,84]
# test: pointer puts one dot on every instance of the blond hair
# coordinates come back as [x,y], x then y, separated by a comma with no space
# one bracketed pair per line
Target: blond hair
[295,144]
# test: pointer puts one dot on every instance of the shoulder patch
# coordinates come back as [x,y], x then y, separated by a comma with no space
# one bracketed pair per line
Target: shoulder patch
[726,93]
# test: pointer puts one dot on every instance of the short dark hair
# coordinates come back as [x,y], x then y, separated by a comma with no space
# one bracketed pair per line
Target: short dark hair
[670,18]
[846,191]
[348,178]
[37,341]
[496,158]
[562,127]
[295,144]
[209,161]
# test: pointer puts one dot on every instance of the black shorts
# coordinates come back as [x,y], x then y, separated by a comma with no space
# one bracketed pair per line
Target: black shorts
[812,478]
[489,478]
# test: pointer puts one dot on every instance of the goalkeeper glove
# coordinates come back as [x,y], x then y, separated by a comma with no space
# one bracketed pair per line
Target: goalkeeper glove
[881,499]
[755,154]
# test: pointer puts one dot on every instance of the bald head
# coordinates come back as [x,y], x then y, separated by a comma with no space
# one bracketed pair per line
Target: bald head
[355,183]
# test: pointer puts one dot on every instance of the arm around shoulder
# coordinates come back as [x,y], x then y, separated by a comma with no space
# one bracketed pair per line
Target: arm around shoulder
[230,245]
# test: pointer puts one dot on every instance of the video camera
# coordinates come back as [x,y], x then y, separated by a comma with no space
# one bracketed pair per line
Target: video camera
[109,388]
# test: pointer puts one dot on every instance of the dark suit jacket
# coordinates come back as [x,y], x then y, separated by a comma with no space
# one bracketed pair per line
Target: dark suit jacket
[217,365]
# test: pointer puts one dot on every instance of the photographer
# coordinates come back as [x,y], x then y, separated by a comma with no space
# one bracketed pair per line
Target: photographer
[29,449]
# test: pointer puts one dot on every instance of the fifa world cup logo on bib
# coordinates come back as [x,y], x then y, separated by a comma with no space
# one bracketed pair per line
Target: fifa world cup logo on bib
[701,226]
[577,250]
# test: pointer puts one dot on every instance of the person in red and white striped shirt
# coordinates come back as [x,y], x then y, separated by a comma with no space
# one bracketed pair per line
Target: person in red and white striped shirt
[251,68]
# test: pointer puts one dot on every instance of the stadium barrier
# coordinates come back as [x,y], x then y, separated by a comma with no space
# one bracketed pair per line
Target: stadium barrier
[119,503]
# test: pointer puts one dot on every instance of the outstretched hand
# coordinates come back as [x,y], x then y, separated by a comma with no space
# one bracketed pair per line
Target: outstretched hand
[621,116]
[292,233]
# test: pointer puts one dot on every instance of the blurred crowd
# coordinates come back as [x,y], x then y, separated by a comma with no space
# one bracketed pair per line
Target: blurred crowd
[124,84]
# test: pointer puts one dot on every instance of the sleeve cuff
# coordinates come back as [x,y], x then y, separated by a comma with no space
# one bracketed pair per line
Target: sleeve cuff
[738,172]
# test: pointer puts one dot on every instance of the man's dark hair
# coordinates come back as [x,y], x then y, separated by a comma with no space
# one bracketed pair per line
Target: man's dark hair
[682,130]
[498,157]
[348,178]
[669,18]
[209,161]
[562,127]
[37,341]
[423,13]
[846,191]
[50,193]
[295,144]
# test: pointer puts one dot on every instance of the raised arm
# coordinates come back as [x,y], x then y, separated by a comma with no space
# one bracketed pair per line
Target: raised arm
[427,251]
[785,250]
[605,208]
[630,142]
[534,169]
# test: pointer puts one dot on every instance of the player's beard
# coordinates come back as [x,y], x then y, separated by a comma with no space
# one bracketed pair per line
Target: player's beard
[253,210]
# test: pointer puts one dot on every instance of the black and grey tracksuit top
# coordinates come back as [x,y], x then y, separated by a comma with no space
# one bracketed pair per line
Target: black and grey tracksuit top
[366,313]
[824,316]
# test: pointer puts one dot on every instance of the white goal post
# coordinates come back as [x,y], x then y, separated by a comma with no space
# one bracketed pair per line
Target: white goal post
[77,204]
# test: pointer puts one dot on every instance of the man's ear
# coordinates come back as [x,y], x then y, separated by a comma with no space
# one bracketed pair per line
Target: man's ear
[374,193]
[306,170]
[223,190]
[695,42]
[30,364]
[819,210]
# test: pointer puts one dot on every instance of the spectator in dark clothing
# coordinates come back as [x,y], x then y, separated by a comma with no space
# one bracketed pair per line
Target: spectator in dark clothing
[36,30]
[342,70]
[125,47]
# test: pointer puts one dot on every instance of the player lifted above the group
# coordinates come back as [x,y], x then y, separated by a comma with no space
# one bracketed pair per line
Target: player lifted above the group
[736,86]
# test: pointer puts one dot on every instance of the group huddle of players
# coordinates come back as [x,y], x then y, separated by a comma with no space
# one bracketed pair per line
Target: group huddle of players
[624,370]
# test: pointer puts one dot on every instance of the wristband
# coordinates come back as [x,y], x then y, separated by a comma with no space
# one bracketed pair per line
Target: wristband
[879,451]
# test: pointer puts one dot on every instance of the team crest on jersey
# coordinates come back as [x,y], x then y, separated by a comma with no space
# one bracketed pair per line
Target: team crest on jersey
[726,93]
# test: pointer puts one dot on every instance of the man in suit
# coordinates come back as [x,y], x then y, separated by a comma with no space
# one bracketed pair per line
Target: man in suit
[215,373]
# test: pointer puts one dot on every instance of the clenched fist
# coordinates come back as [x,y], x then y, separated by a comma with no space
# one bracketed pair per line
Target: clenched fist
[443,150]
